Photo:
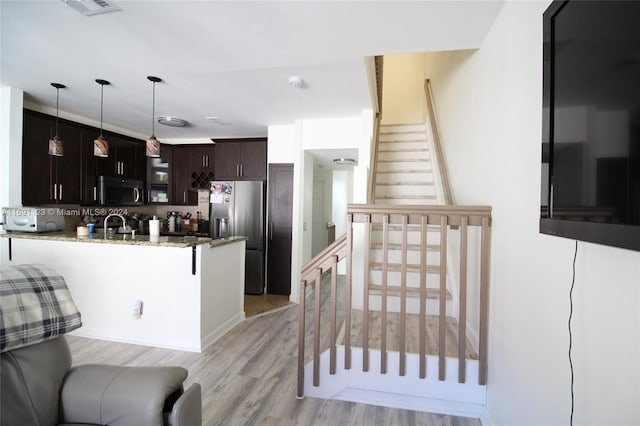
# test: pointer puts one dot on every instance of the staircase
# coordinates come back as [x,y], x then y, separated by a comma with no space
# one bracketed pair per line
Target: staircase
[394,331]
[404,176]
[404,173]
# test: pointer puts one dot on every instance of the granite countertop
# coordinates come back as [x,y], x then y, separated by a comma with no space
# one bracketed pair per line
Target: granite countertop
[140,240]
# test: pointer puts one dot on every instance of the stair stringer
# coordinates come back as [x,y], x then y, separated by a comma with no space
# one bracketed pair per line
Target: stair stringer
[408,392]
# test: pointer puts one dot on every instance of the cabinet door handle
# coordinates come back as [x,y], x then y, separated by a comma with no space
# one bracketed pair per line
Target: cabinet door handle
[60,192]
[203,161]
[55,191]
[184,197]
[237,170]
[95,194]
[241,171]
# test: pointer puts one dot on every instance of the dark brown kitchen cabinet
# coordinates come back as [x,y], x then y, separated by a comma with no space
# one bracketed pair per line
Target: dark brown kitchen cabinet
[192,169]
[126,158]
[241,159]
[48,179]
[280,198]
[182,170]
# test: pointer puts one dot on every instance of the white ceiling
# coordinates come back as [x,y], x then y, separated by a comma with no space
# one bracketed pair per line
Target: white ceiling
[225,59]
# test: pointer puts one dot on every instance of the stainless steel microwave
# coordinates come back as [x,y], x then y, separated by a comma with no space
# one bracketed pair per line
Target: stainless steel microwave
[114,191]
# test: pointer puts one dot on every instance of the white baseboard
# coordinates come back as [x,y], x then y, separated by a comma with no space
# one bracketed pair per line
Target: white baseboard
[216,334]
[392,390]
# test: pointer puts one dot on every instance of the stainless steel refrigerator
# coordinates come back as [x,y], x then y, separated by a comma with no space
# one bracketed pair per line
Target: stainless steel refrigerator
[237,208]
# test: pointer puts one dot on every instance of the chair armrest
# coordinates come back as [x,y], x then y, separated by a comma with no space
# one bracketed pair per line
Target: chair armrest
[187,411]
[118,396]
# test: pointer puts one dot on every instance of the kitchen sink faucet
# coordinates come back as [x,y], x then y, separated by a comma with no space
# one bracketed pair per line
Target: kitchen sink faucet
[124,223]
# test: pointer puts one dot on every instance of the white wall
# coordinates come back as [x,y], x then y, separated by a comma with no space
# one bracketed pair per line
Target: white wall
[11,100]
[403,100]
[10,146]
[291,143]
[489,106]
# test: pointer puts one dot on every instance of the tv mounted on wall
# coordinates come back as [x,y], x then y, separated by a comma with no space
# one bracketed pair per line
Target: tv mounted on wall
[591,122]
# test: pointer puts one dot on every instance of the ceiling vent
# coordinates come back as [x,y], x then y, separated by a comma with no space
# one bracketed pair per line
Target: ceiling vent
[92,7]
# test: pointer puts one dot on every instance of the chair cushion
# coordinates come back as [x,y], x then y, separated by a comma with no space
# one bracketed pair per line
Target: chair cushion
[35,305]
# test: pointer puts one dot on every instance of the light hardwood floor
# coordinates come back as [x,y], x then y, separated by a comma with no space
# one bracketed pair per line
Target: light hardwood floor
[249,378]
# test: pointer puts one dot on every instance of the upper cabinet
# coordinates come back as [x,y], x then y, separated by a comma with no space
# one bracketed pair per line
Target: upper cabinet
[48,179]
[241,159]
[71,179]
[126,158]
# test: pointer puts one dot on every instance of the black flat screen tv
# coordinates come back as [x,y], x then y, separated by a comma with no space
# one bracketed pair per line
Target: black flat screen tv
[591,122]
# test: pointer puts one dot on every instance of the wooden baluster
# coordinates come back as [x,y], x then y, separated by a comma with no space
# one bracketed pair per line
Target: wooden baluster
[423,297]
[347,304]
[484,301]
[385,277]
[365,304]
[462,325]
[301,334]
[403,298]
[316,330]
[442,314]
[333,313]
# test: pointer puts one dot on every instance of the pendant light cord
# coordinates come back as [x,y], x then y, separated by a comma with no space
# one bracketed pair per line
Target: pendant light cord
[101,106]
[57,112]
[153,112]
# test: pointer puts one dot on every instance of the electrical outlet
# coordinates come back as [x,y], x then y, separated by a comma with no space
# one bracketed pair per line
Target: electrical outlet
[137,309]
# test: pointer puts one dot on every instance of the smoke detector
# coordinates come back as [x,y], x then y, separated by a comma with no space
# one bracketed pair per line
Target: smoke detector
[92,7]
[295,81]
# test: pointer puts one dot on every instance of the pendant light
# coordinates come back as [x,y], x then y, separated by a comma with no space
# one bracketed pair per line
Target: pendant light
[153,144]
[56,145]
[100,145]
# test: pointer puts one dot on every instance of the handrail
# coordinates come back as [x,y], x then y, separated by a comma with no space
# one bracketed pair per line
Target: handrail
[374,159]
[324,257]
[379,66]
[435,130]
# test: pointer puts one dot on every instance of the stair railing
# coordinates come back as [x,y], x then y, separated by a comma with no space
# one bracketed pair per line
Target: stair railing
[432,124]
[424,219]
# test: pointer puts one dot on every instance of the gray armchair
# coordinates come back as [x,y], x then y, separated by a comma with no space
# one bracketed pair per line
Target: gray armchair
[39,387]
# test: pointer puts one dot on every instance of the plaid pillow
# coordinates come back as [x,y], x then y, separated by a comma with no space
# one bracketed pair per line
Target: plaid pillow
[35,305]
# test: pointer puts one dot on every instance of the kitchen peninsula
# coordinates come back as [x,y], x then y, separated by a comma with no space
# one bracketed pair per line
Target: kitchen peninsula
[189,290]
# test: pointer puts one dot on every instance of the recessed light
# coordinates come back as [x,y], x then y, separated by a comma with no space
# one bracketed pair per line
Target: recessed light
[344,161]
[172,121]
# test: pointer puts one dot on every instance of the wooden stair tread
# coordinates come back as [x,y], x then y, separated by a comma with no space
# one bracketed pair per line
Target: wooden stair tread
[413,292]
[405,160]
[410,247]
[394,183]
[404,150]
[397,267]
[429,170]
[406,197]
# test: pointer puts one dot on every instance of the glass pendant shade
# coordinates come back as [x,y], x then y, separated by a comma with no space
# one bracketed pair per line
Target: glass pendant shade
[153,147]
[56,144]
[153,144]
[100,145]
